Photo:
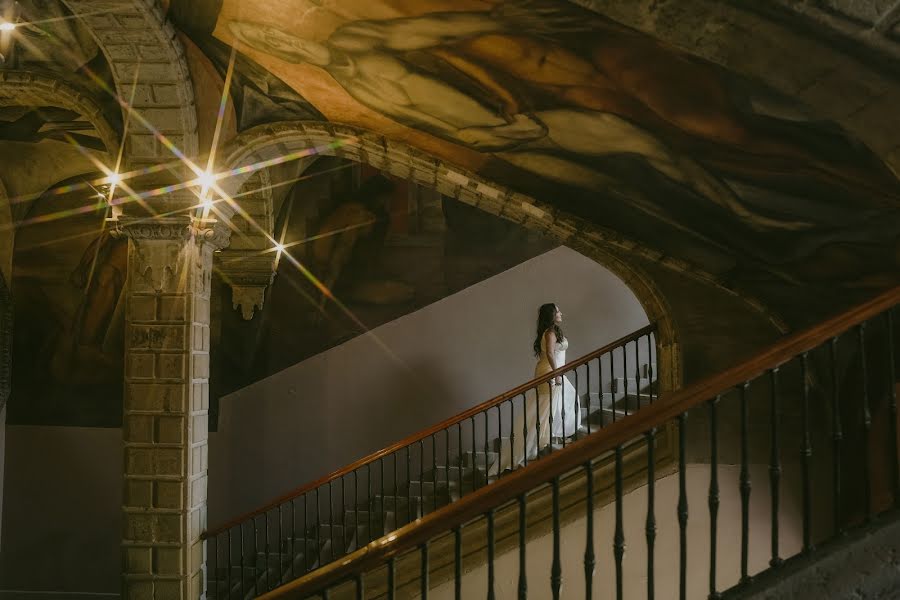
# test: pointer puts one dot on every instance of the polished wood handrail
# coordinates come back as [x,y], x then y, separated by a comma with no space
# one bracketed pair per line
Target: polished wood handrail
[574,455]
[421,435]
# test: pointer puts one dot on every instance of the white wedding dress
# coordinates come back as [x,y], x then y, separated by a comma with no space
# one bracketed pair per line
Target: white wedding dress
[559,401]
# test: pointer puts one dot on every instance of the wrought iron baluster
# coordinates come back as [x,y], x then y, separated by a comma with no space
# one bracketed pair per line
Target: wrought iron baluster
[490,554]
[383,508]
[422,496]
[474,457]
[306,553]
[230,563]
[423,576]
[409,502]
[447,462]
[774,464]
[293,538]
[524,434]
[331,521]
[370,510]
[625,375]
[343,518]
[241,548]
[486,442]
[318,528]
[713,494]
[613,388]
[256,577]
[396,492]
[537,421]
[682,506]
[281,546]
[806,455]
[587,414]
[892,402]
[215,567]
[556,569]
[434,471]
[600,387]
[650,525]
[590,561]
[356,505]
[457,563]
[867,422]
[619,535]
[523,577]
[391,574]
[459,459]
[637,373]
[745,485]
[360,587]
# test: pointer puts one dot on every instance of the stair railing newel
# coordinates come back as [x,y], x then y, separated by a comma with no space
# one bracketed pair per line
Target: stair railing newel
[166,401]
[324,521]
[794,382]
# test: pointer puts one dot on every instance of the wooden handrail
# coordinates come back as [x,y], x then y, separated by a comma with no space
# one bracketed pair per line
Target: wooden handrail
[421,435]
[574,455]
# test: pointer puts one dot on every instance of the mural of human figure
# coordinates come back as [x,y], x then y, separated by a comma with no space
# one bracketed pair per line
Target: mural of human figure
[625,80]
[359,57]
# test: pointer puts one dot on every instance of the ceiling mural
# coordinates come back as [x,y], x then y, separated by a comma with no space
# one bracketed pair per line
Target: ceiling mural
[602,121]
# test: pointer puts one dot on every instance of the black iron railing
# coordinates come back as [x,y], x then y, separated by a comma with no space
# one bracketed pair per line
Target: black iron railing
[830,387]
[325,520]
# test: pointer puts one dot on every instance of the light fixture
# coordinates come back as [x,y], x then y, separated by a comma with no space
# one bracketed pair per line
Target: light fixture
[207,203]
[206,179]
[113,178]
[7,26]
[279,247]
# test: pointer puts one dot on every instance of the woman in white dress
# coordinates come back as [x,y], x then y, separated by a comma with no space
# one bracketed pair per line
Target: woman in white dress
[558,398]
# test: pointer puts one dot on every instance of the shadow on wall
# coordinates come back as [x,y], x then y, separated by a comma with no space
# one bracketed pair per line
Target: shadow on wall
[406,375]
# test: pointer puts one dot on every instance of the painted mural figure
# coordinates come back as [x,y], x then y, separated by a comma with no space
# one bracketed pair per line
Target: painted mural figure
[606,101]
[355,231]
[557,412]
[360,57]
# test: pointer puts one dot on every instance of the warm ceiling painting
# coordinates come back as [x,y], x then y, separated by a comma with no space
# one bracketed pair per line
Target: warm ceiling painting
[603,121]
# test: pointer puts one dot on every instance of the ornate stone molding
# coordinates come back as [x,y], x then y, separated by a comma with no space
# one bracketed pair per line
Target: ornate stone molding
[353,143]
[6,325]
[248,273]
[145,55]
[30,88]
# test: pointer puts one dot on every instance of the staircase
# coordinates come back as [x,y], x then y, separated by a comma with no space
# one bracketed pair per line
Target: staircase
[324,521]
[273,564]
[850,404]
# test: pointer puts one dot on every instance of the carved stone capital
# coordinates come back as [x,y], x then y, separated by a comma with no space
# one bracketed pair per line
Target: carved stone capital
[249,273]
[156,229]
[176,229]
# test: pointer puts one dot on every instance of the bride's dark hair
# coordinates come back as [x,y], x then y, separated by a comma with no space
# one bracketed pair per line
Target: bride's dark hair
[546,320]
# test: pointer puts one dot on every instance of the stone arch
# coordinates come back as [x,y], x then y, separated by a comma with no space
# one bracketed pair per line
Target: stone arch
[269,142]
[27,88]
[143,51]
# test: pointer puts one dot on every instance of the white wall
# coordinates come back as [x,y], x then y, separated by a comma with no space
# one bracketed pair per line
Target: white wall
[354,399]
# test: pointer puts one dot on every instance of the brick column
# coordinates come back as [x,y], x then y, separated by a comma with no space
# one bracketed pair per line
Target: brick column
[166,406]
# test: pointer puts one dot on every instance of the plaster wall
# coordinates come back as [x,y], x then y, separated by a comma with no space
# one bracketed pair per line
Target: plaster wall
[416,371]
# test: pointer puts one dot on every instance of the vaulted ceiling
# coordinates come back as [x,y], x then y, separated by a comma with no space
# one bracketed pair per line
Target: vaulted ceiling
[754,146]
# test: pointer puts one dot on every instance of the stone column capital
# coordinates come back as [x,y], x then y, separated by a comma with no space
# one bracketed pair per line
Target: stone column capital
[174,229]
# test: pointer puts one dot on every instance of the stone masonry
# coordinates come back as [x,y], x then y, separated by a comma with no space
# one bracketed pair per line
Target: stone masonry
[166,406]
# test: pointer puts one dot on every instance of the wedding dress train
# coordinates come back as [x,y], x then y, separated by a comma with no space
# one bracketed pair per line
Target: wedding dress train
[558,401]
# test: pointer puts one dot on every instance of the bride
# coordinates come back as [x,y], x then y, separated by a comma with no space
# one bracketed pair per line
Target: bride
[557,400]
